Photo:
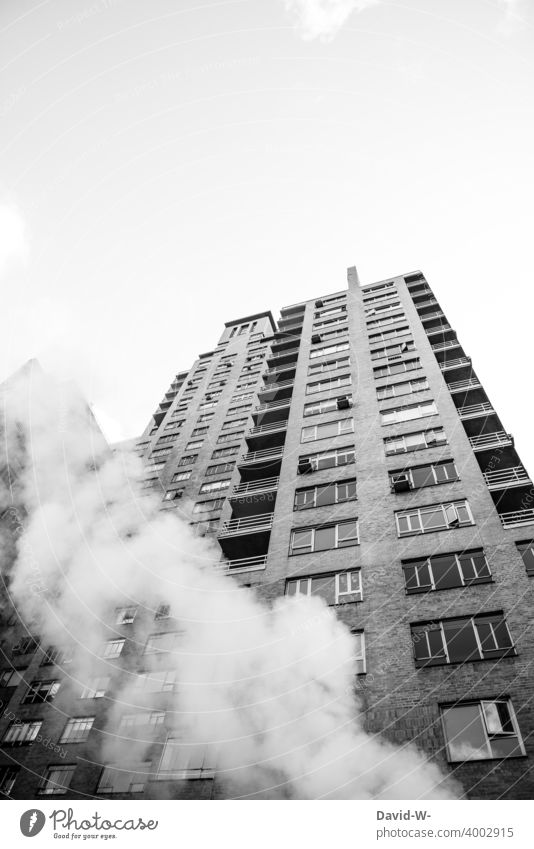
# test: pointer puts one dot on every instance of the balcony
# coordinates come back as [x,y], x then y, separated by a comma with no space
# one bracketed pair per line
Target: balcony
[271,411]
[242,564]
[432,331]
[474,411]
[464,385]
[272,427]
[515,518]
[255,464]
[486,441]
[505,478]
[285,356]
[431,315]
[275,372]
[249,498]
[426,303]
[282,389]
[443,346]
[446,365]
[269,435]
[247,525]
[246,536]
[254,487]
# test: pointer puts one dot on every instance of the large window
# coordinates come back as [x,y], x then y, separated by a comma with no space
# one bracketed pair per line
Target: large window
[378,309]
[230,437]
[329,322]
[194,444]
[444,571]
[142,720]
[395,390]
[234,423]
[326,460]
[437,517]
[526,550]
[324,537]
[389,335]
[418,477]
[481,730]
[181,760]
[117,779]
[215,486]
[406,414]
[327,405]
[327,430]
[468,638]
[384,322]
[220,468]
[415,441]
[77,730]
[187,460]
[164,642]
[40,691]
[181,476]
[56,779]
[208,506]
[8,776]
[113,648]
[324,494]
[335,310]
[397,368]
[21,733]
[329,384]
[328,365]
[334,588]
[329,349]
[225,452]
[125,615]
[95,688]
[157,681]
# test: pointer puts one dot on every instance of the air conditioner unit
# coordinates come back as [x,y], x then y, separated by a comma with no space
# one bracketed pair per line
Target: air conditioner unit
[344,403]
[316,338]
[400,483]
[319,303]
[304,467]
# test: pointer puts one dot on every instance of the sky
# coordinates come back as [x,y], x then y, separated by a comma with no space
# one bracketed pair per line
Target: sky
[168,166]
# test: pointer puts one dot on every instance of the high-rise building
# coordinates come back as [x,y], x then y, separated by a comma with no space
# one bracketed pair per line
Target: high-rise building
[351,451]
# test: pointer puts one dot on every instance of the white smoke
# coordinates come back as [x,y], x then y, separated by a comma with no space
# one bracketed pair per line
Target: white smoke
[323,19]
[269,689]
[13,236]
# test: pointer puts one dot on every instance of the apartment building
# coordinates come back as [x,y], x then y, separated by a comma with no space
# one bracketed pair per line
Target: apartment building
[348,450]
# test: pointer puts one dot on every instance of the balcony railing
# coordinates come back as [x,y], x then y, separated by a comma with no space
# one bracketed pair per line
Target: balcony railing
[462,385]
[254,487]
[442,346]
[247,525]
[499,438]
[272,372]
[242,564]
[427,303]
[272,405]
[442,327]
[450,364]
[503,478]
[273,387]
[472,411]
[435,314]
[264,454]
[517,517]
[289,353]
[272,427]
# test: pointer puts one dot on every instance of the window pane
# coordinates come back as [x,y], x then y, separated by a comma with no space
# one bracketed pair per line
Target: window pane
[465,734]
[445,472]
[433,518]
[347,534]
[325,538]
[302,539]
[446,572]
[326,495]
[417,575]
[422,476]
[324,586]
[474,566]
[461,640]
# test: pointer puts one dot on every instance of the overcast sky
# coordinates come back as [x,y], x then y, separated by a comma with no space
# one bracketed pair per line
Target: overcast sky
[169,165]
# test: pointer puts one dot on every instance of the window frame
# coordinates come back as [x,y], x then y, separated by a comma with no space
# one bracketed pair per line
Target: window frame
[326,526]
[444,507]
[483,718]
[324,486]
[459,557]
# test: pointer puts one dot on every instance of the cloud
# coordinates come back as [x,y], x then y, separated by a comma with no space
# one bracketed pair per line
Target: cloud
[13,236]
[323,18]
[514,16]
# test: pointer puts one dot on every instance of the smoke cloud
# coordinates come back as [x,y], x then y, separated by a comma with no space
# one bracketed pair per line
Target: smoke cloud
[323,19]
[266,690]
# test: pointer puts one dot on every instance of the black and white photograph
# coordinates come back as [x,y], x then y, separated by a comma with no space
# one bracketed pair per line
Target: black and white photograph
[266,510]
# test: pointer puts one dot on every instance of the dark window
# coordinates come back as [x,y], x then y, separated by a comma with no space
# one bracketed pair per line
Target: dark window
[8,776]
[325,494]
[461,640]
[40,691]
[481,730]
[526,549]
[444,571]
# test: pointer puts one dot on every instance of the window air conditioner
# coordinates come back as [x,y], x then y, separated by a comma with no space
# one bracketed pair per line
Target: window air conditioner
[304,467]
[400,483]
[316,338]
[319,303]
[343,403]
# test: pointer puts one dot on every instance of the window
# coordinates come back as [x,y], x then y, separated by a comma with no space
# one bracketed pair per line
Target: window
[388,319]
[333,334]
[327,405]
[154,467]
[77,730]
[225,452]
[233,424]
[163,611]
[244,383]
[444,571]
[391,351]
[200,431]
[327,429]
[214,486]
[187,460]
[173,494]
[329,349]
[388,335]
[142,719]
[481,730]
[200,529]
[183,760]
[397,368]
[526,550]
[415,441]
[207,506]
[205,417]
[406,414]
[322,495]
[232,411]
[461,640]
[26,645]
[220,468]
[116,779]
[328,365]
[334,588]
[329,384]
[326,460]
[378,288]
[430,475]
[95,688]
[56,780]
[437,517]
[181,476]
[230,437]
[324,537]
[394,390]
[170,437]
[125,615]
[40,692]
[195,443]
[206,405]
[113,648]
[378,298]
[21,733]
[164,642]
[330,322]
[8,776]
[335,310]
[10,678]
[243,396]
[157,681]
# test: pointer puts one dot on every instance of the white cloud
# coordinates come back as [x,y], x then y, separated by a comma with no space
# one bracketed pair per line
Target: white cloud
[323,18]
[514,17]
[13,236]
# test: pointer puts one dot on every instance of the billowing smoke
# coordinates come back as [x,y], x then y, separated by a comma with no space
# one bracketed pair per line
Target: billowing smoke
[267,691]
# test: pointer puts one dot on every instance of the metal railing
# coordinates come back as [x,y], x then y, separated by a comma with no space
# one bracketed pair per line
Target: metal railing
[473,410]
[242,564]
[247,525]
[272,405]
[254,486]
[272,427]
[263,454]
[273,387]
[435,314]
[271,372]
[460,385]
[289,353]
[517,517]
[450,364]
[490,440]
[442,327]
[441,346]
[502,478]
[427,303]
